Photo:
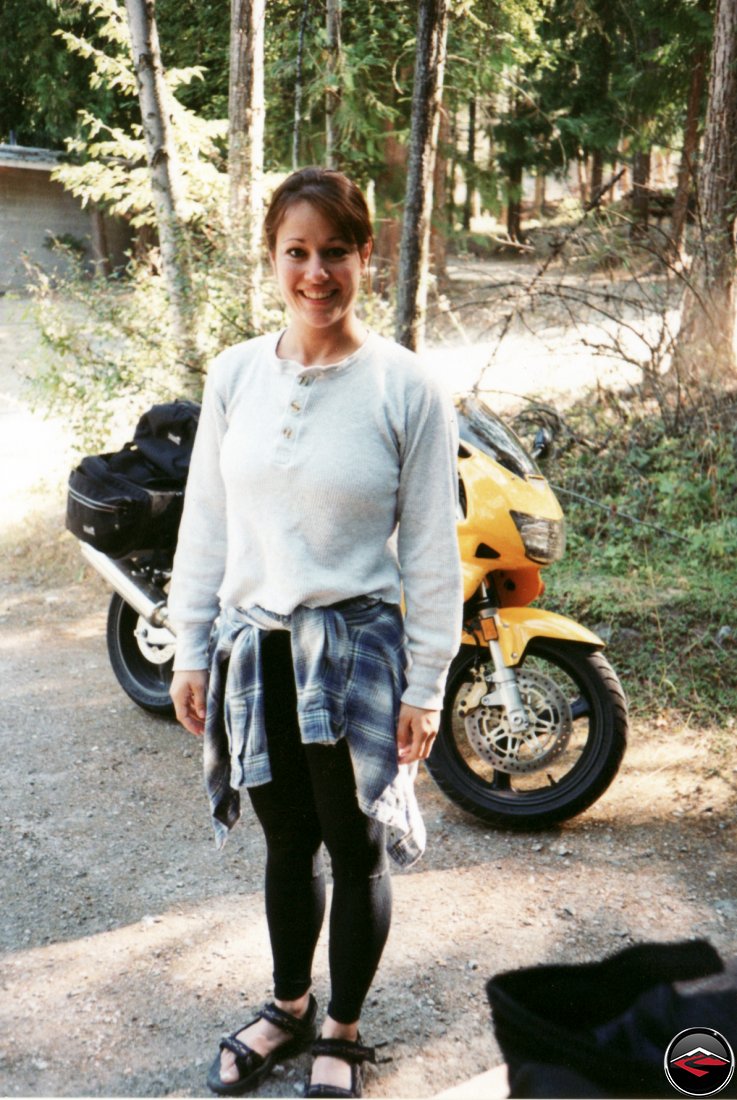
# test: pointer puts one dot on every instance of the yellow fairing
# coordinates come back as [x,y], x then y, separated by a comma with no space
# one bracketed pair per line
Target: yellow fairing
[489,488]
[519,625]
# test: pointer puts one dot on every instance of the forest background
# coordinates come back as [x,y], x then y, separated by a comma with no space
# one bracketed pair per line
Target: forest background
[442,111]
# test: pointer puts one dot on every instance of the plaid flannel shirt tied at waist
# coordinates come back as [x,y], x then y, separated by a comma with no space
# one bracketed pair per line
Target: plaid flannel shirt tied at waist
[349,663]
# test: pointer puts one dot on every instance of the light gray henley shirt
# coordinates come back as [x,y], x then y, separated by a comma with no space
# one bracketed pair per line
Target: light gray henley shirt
[312,485]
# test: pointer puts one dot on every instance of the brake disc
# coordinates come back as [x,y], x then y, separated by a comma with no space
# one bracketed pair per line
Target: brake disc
[156,643]
[520,751]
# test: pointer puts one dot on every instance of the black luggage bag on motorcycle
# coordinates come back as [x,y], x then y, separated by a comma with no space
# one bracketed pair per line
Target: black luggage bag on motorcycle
[131,500]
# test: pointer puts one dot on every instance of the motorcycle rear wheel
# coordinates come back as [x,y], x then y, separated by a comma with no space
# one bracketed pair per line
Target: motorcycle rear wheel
[567,782]
[138,666]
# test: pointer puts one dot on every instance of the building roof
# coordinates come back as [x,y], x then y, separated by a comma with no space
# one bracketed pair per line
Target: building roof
[24,156]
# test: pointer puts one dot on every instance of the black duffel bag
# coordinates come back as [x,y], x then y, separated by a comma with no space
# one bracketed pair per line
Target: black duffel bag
[131,500]
[164,437]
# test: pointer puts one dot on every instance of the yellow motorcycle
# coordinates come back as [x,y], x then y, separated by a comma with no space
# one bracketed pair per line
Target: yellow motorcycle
[534,724]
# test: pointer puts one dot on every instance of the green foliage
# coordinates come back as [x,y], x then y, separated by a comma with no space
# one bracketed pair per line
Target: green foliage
[669,626]
[554,80]
[112,340]
[193,35]
[596,75]
[108,163]
[633,463]
[652,547]
[375,80]
[110,351]
[42,86]
[113,352]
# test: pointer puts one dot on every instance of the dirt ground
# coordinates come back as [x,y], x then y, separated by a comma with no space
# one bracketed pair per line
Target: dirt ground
[129,945]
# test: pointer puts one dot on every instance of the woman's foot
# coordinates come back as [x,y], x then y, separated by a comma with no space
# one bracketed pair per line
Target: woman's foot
[263,1037]
[334,1072]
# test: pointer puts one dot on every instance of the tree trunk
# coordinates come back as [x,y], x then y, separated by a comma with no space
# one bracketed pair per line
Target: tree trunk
[470,165]
[298,85]
[100,246]
[597,173]
[432,31]
[623,158]
[602,65]
[640,189]
[246,113]
[390,189]
[706,350]
[687,167]
[438,222]
[514,201]
[540,187]
[583,177]
[165,177]
[332,91]
[450,205]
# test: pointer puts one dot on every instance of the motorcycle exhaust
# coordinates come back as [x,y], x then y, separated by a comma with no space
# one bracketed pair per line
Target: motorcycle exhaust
[143,597]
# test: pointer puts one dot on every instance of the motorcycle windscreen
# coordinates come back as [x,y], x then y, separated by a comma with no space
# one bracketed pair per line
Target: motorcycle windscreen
[480,427]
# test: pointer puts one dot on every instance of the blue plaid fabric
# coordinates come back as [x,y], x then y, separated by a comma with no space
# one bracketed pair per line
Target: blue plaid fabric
[349,670]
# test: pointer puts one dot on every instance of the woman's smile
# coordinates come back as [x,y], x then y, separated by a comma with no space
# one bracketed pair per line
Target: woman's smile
[313,297]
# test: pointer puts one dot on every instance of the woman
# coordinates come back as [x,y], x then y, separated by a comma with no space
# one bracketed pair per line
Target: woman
[323,476]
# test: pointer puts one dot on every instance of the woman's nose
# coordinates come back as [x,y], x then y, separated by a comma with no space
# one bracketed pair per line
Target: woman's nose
[316,268]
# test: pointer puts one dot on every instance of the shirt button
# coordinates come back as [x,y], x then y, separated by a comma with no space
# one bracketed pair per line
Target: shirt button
[296,406]
[287,433]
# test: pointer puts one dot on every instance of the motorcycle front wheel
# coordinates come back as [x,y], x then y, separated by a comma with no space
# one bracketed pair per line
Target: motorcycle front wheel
[560,766]
[141,657]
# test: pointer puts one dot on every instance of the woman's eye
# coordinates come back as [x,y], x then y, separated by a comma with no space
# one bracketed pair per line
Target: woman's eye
[330,254]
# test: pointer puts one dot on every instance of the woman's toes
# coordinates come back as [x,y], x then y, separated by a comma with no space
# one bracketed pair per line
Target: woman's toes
[228,1070]
[331,1071]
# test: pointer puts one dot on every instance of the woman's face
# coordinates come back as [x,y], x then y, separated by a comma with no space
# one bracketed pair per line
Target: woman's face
[317,270]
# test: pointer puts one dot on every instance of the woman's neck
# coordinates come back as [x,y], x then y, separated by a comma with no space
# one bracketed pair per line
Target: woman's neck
[314,348]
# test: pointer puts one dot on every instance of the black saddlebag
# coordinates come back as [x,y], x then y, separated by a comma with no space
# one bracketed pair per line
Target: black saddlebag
[131,500]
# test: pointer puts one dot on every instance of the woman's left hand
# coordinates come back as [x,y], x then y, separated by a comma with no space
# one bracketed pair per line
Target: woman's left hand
[416,731]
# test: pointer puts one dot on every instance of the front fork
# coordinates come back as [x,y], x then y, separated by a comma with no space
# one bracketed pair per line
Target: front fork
[506,691]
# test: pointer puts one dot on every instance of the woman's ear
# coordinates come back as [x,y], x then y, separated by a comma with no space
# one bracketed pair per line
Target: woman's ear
[365,253]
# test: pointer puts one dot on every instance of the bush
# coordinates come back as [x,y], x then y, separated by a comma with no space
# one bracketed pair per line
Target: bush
[113,351]
[651,548]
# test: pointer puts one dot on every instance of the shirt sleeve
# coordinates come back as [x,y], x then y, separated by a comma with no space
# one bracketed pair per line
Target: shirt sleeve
[199,562]
[429,557]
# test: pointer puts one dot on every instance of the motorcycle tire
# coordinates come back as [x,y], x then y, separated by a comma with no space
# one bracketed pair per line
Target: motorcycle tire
[584,697]
[138,666]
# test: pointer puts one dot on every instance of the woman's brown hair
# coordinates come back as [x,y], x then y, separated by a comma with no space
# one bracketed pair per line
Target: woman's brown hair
[337,198]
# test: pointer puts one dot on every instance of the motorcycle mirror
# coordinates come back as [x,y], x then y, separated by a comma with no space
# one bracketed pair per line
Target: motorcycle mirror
[542,443]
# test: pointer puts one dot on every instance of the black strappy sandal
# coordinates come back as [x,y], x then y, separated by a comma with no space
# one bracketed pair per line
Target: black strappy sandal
[253,1067]
[352,1052]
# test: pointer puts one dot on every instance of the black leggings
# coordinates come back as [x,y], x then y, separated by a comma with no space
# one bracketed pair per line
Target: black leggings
[311,799]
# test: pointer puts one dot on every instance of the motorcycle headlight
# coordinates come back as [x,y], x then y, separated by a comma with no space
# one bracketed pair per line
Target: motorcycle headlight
[544,540]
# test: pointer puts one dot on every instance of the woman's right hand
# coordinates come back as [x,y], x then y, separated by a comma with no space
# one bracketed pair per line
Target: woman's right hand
[189,695]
